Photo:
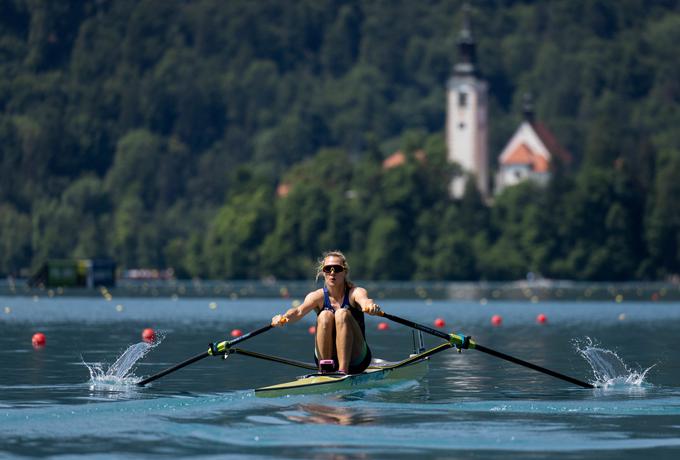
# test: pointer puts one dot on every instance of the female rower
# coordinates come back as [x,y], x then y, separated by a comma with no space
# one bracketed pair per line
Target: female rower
[340,308]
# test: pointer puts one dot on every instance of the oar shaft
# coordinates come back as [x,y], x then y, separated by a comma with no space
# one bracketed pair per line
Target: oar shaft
[249,335]
[535,367]
[456,338]
[276,359]
[205,354]
[420,327]
[221,347]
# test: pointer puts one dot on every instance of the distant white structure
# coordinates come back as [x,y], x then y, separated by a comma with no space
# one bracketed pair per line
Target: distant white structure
[530,154]
[466,117]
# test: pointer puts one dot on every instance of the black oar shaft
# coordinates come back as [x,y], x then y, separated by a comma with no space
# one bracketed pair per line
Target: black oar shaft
[275,359]
[535,367]
[489,351]
[223,346]
[420,327]
[249,335]
[205,354]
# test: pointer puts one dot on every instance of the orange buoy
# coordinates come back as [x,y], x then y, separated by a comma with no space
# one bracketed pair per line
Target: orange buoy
[496,320]
[541,318]
[148,335]
[383,326]
[312,330]
[236,333]
[38,340]
[439,323]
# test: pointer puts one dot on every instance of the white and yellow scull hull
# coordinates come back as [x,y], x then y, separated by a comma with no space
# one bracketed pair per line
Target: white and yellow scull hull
[379,373]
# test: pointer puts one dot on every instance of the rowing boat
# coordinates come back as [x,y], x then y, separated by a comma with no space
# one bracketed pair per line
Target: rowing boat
[327,383]
[379,373]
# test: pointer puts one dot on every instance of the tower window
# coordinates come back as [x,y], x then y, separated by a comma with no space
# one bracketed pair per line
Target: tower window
[462,99]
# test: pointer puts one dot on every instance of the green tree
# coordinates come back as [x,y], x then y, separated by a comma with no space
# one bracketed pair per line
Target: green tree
[512,219]
[173,109]
[310,217]
[134,242]
[341,41]
[54,230]
[599,231]
[147,167]
[662,226]
[388,255]
[15,240]
[443,251]
[87,197]
[233,237]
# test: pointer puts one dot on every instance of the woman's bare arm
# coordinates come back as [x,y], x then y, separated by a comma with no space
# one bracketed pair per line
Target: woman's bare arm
[312,300]
[367,304]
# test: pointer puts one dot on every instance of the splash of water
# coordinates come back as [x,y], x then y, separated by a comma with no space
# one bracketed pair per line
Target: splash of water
[608,368]
[121,372]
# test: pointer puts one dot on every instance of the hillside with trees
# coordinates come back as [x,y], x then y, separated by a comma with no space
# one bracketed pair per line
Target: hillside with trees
[158,132]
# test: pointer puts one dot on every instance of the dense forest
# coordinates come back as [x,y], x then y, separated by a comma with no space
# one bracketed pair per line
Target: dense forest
[158,132]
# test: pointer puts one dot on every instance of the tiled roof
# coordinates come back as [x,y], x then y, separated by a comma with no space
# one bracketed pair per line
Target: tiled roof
[551,142]
[523,155]
[282,190]
[540,164]
[394,160]
[398,158]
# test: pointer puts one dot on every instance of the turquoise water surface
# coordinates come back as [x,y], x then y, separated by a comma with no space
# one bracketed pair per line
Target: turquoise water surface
[76,396]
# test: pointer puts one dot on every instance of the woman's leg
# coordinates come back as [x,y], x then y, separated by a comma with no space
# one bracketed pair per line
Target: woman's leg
[325,335]
[349,341]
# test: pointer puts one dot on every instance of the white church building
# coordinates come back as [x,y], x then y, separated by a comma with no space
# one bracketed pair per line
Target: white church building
[466,117]
[530,153]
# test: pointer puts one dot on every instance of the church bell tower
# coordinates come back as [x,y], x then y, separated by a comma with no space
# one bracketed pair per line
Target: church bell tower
[466,116]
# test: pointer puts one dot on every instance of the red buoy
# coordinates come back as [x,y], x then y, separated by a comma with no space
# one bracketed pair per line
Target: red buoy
[383,326]
[38,340]
[236,333]
[541,318]
[312,330]
[148,335]
[496,320]
[439,323]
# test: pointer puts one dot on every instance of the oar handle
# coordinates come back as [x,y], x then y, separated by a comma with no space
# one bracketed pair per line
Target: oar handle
[467,343]
[213,350]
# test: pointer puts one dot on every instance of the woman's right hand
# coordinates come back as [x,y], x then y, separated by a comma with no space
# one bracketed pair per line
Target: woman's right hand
[279,320]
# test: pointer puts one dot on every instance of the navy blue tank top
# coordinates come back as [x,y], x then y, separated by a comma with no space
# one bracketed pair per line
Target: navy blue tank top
[357,314]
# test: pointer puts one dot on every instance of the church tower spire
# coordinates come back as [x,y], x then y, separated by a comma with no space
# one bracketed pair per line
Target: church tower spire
[466,114]
[467,58]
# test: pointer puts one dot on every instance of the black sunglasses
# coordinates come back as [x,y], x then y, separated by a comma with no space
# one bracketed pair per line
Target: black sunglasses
[333,269]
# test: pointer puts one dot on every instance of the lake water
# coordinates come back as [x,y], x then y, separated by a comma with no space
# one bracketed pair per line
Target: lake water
[470,405]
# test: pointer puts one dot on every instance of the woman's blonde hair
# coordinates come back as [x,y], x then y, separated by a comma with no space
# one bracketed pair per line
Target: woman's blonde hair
[345,265]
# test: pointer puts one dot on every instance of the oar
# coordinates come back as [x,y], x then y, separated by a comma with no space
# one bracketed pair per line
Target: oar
[212,351]
[275,359]
[462,341]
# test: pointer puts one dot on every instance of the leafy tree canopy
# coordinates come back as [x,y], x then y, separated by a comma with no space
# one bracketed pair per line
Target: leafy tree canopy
[240,139]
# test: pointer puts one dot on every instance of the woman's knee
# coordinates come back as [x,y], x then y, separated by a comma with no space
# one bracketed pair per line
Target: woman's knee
[342,317]
[325,319]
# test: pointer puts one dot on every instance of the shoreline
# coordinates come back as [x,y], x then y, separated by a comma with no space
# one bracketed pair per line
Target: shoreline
[533,291]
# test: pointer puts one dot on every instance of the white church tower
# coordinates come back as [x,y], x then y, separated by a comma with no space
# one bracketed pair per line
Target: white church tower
[466,116]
